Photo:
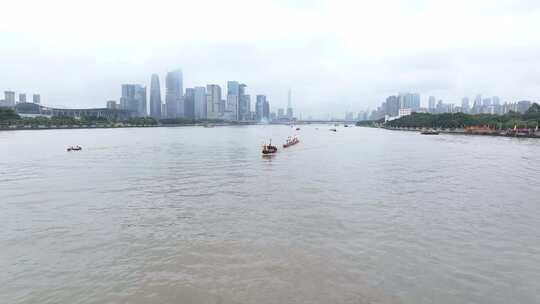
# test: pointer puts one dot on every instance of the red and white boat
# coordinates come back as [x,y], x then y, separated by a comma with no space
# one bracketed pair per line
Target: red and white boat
[291,141]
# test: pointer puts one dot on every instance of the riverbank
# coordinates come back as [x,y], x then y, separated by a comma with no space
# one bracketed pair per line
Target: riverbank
[501,133]
[112,126]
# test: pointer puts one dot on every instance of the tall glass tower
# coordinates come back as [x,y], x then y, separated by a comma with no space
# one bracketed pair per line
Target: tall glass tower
[155,97]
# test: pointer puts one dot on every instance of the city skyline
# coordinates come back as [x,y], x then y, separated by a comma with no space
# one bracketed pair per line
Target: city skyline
[342,54]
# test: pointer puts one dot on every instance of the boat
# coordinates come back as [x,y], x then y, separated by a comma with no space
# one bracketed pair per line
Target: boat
[346,126]
[269,149]
[290,142]
[429,132]
[297,128]
[333,129]
[76,148]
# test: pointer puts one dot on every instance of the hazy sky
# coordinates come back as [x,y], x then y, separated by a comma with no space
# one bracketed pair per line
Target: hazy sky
[336,55]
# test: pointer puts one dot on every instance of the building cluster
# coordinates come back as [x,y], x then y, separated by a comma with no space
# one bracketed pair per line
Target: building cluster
[199,103]
[9,99]
[405,103]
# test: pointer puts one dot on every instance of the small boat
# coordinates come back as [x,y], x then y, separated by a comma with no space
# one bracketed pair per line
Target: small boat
[346,126]
[290,142]
[76,148]
[297,129]
[269,149]
[333,129]
[429,132]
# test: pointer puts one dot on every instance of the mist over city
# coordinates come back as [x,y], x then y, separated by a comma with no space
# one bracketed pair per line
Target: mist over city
[270,151]
[338,56]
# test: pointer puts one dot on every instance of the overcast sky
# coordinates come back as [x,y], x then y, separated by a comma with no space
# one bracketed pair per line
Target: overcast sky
[336,55]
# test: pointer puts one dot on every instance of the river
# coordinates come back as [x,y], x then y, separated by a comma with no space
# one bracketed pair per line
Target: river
[197,215]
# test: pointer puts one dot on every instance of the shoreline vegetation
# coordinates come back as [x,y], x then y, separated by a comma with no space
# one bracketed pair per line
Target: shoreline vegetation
[512,124]
[10,120]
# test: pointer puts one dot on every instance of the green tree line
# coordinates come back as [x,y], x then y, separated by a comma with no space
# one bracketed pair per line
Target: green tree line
[530,119]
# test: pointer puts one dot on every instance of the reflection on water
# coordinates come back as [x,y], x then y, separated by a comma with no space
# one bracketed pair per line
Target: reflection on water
[197,215]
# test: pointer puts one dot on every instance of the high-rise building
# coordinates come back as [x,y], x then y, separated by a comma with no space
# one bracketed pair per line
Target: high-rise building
[155,97]
[465,106]
[392,106]
[523,106]
[262,108]
[281,113]
[22,97]
[189,103]
[290,113]
[9,98]
[200,102]
[233,88]
[233,100]
[36,98]
[213,100]
[134,99]
[231,108]
[266,110]
[173,97]
[164,110]
[431,104]
[243,103]
[477,105]
[409,101]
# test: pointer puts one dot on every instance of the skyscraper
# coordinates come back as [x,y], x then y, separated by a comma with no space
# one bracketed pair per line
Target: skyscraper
[262,108]
[174,90]
[243,103]
[22,97]
[392,106]
[409,101]
[189,104]
[231,108]
[477,105]
[200,102]
[36,98]
[523,106]
[431,104]
[213,100]
[289,105]
[9,98]
[233,100]
[155,97]
[134,99]
[465,106]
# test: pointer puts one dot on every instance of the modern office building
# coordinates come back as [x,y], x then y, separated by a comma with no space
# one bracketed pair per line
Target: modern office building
[174,86]
[199,97]
[409,101]
[189,104]
[22,97]
[244,103]
[36,98]
[231,108]
[523,106]
[465,105]
[9,98]
[280,113]
[392,106]
[213,102]
[290,113]
[155,97]
[134,99]
[431,104]
[262,108]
